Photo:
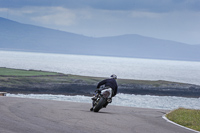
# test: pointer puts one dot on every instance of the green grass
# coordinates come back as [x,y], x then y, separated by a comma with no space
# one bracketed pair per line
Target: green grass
[186,117]
[19,72]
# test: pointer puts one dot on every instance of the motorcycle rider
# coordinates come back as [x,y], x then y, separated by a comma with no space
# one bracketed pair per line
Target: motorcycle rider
[110,85]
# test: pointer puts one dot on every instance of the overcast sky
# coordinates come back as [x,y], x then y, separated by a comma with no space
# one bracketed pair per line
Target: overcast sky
[177,20]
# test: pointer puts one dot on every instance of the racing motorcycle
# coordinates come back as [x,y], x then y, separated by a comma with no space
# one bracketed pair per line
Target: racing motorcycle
[100,100]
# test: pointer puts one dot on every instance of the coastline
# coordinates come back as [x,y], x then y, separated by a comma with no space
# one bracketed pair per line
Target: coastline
[67,84]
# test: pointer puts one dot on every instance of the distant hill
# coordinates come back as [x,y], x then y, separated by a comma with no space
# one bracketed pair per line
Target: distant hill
[18,36]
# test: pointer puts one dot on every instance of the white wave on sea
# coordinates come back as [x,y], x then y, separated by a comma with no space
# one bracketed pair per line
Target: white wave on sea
[143,101]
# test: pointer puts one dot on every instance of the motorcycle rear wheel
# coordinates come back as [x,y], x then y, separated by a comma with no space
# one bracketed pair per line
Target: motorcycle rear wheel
[100,104]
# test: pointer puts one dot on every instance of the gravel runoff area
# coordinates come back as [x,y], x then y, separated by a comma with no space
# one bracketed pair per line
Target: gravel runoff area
[23,115]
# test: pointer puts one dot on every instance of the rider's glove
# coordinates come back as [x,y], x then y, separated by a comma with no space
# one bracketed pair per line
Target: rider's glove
[98,91]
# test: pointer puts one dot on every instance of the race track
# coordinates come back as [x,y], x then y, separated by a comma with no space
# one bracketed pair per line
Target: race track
[20,115]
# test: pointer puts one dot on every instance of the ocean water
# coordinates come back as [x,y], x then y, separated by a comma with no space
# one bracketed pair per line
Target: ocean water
[100,66]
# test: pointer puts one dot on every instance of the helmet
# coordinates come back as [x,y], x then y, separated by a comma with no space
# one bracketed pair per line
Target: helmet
[113,76]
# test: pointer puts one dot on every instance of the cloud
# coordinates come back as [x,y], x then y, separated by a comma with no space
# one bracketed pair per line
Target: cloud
[138,5]
[55,16]
[167,19]
[3,9]
[44,15]
[142,14]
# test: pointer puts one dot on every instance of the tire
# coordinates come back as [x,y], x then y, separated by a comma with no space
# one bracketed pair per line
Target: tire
[100,104]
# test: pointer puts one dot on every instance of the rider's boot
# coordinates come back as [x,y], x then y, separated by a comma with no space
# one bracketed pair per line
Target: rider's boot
[91,109]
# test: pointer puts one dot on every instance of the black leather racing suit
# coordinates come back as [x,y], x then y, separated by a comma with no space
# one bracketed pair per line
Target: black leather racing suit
[111,83]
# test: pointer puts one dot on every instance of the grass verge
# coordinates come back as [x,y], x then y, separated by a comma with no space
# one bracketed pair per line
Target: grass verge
[20,72]
[186,117]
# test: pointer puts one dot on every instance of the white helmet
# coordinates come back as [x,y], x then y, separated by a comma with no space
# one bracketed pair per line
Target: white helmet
[113,76]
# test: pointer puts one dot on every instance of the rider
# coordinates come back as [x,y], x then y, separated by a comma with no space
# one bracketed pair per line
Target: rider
[110,85]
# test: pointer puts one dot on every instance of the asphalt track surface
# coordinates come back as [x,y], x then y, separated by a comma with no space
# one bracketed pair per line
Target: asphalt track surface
[20,115]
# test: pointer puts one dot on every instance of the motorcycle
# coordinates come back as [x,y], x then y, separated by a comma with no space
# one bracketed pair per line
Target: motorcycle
[101,100]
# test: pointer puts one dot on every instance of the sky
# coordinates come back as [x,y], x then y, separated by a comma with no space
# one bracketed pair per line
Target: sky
[177,20]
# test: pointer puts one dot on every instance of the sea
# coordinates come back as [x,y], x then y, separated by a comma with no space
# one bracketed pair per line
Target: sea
[103,66]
